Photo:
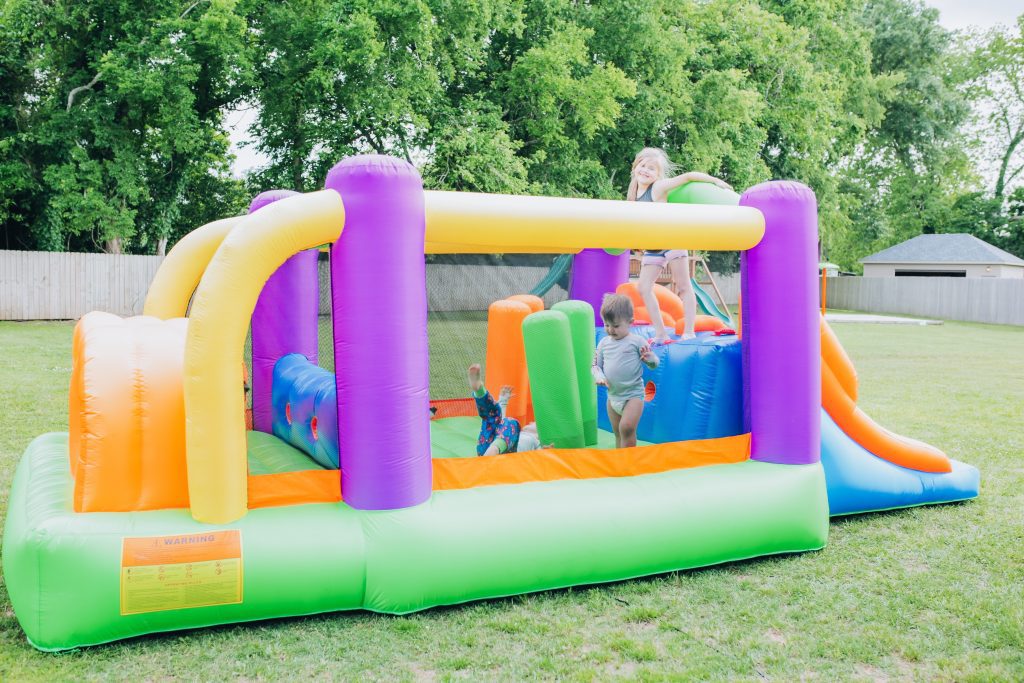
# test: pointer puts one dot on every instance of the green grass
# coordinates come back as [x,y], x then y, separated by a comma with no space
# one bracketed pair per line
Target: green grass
[933,593]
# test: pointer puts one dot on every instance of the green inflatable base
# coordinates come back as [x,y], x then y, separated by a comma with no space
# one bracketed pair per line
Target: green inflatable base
[63,569]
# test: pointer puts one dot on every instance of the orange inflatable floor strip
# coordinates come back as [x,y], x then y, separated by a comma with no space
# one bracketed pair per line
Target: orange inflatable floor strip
[324,486]
[586,463]
[899,450]
[294,488]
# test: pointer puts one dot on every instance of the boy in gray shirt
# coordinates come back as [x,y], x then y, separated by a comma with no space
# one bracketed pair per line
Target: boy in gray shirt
[618,365]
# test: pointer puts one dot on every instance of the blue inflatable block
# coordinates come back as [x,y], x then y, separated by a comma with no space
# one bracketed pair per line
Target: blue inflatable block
[300,393]
[858,481]
[698,390]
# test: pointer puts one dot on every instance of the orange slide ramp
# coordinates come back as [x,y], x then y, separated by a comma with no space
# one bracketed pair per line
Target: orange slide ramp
[839,399]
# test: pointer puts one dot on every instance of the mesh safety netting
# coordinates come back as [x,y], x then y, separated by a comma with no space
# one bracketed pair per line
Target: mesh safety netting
[460,288]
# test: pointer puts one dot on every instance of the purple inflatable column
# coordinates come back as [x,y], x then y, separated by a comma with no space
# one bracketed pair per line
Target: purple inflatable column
[378,283]
[284,320]
[781,342]
[595,273]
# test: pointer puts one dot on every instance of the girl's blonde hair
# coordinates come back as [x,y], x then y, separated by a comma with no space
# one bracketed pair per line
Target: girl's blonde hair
[658,155]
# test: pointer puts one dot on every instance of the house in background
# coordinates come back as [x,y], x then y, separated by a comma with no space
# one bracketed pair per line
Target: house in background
[955,255]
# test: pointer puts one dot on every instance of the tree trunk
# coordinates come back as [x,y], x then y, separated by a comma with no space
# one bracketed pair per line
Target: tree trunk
[112,246]
[161,246]
[1005,176]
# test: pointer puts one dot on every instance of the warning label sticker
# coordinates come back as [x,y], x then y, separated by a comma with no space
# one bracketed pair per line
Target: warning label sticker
[176,572]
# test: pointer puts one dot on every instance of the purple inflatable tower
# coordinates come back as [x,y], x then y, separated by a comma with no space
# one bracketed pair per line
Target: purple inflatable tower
[378,283]
[595,273]
[284,320]
[781,336]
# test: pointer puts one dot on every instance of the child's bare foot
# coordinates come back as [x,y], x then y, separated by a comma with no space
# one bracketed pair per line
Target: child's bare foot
[505,394]
[660,341]
[474,377]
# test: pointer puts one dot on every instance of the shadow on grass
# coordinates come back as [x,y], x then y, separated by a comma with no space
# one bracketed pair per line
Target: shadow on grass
[852,518]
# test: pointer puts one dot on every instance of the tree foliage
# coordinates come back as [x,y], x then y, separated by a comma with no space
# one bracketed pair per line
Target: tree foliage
[903,175]
[112,113]
[111,117]
[996,83]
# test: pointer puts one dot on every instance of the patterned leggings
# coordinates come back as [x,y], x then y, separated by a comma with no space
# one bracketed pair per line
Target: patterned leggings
[493,426]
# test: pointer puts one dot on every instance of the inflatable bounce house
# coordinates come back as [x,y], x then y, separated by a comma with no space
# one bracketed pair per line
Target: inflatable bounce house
[160,510]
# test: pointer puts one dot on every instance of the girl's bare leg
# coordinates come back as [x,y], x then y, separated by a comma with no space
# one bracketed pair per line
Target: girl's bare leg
[680,268]
[648,274]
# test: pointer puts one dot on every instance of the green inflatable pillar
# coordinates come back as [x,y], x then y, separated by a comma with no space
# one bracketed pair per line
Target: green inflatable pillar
[553,385]
[581,328]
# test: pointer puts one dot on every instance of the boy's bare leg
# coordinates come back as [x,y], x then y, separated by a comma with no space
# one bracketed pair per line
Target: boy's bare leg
[473,373]
[630,419]
[614,417]
[680,268]
[648,274]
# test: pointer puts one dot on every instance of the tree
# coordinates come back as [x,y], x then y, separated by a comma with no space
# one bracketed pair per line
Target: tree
[997,85]
[112,117]
[1013,241]
[473,151]
[347,76]
[903,176]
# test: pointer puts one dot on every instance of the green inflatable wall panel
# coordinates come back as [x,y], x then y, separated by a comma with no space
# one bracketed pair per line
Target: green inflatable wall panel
[63,569]
[554,387]
[583,332]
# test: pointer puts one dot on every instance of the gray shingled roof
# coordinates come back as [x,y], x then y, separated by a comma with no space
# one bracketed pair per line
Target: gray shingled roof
[953,248]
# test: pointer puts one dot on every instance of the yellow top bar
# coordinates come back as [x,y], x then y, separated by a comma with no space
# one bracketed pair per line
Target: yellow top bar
[470,222]
[215,445]
[180,272]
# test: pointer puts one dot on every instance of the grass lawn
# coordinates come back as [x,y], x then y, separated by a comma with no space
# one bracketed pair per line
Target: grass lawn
[933,593]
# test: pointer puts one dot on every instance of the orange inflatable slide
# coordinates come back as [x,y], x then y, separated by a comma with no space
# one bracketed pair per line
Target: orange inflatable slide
[839,399]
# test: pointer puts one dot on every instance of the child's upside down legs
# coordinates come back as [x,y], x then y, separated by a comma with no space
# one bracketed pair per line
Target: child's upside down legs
[498,433]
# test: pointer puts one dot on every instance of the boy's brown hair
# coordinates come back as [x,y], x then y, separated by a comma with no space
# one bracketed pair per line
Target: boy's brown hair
[616,308]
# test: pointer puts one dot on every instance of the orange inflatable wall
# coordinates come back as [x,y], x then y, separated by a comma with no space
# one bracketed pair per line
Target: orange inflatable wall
[127,414]
[642,316]
[668,302]
[506,354]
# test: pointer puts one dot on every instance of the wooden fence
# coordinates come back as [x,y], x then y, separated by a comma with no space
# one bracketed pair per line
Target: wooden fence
[58,286]
[983,300]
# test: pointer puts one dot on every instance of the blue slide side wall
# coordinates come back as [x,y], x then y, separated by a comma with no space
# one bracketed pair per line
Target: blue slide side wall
[698,390]
[859,481]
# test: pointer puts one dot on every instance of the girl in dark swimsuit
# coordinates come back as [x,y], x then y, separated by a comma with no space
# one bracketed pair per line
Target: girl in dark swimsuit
[649,182]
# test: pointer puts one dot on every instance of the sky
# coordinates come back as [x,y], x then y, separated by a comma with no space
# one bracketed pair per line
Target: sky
[961,14]
[953,14]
